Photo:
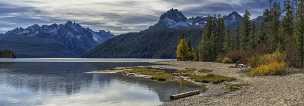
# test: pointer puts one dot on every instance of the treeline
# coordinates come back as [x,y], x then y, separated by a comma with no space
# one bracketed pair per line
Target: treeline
[7,54]
[277,32]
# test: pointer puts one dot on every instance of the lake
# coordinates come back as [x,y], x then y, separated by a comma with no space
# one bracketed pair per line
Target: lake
[55,83]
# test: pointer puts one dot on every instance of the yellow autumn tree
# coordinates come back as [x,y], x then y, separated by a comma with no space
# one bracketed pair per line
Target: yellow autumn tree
[182,51]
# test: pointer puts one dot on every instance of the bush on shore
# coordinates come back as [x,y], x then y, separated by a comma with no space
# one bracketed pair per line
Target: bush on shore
[234,57]
[7,54]
[227,60]
[269,64]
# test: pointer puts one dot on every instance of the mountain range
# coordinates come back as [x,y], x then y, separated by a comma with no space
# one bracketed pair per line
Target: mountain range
[159,40]
[50,41]
[72,40]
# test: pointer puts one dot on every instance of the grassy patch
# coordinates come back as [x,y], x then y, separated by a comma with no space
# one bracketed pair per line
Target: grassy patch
[234,87]
[211,78]
[156,74]
[196,75]
[204,70]
[185,72]
[203,75]
[200,87]
[191,71]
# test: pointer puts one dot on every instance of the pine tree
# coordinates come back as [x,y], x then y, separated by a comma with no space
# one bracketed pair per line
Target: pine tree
[287,24]
[237,40]
[195,55]
[190,54]
[253,37]
[220,35]
[300,31]
[264,36]
[288,33]
[228,41]
[245,30]
[182,51]
[274,34]
[207,51]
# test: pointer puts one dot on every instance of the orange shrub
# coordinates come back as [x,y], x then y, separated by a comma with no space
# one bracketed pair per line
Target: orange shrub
[269,64]
[255,61]
[275,68]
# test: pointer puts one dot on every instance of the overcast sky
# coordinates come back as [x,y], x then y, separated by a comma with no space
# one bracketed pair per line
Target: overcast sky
[117,16]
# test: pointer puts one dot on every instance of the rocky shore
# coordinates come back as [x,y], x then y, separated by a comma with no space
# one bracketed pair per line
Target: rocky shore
[285,90]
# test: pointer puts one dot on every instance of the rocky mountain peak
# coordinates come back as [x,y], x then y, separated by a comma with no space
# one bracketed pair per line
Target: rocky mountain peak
[233,20]
[234,16]
[35,26]
[174,14]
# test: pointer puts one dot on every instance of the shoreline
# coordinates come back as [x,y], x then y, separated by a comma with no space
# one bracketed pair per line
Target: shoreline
[285,90]
[169,66]
[90,60]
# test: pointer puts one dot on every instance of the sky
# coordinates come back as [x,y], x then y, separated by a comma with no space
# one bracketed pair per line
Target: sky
[117,16]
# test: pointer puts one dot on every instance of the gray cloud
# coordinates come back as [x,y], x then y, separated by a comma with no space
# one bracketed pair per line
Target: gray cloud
[118,16]
[254,6]
[12,16]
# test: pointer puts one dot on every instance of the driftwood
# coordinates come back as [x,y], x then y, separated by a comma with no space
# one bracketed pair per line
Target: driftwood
[184,95]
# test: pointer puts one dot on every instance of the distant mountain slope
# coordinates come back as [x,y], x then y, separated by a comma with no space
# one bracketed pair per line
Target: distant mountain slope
[159,43]
[56,40]
[160,40]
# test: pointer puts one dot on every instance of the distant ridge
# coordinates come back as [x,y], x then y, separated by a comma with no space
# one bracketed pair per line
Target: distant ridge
[56,40]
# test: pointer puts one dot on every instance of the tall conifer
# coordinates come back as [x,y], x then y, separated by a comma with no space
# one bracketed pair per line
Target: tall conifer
[300,31]
[245,30]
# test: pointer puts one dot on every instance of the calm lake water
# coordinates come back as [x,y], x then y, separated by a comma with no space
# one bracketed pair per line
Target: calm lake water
[66,84]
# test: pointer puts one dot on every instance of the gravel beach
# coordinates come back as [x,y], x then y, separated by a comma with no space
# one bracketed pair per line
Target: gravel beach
[287,90]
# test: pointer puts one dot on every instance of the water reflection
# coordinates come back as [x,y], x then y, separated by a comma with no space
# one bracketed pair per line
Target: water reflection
[64,84]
